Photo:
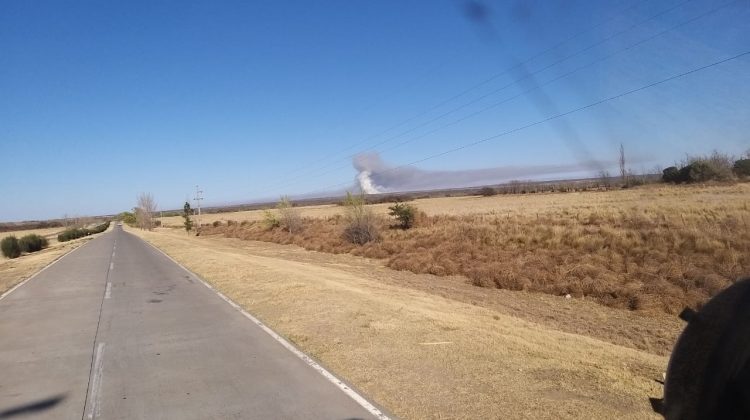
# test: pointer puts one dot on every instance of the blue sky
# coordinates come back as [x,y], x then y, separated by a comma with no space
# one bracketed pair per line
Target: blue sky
[253,99]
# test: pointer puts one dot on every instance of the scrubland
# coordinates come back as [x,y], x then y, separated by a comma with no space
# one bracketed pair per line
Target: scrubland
[653,249]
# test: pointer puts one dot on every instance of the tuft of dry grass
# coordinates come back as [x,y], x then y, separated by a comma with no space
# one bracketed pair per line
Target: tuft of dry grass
[659,255]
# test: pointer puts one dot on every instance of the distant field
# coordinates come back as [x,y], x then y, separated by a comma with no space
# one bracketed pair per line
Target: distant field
[666,197]
[656,248]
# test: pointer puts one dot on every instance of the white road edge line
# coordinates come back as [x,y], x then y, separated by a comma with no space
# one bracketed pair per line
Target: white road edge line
[108,291]
[40,271]
[96,382]
[111,266]
[359,399]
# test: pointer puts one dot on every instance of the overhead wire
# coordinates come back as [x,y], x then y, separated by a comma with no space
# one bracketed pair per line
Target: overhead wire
[459,95]
[557,116]
[567,74]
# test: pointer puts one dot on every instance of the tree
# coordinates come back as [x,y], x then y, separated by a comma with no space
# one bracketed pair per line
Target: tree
[144,212]
[623,171]
[127,217]
[405,214]
[186,212]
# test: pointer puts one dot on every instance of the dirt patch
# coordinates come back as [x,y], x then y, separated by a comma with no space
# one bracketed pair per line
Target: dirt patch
[408,342]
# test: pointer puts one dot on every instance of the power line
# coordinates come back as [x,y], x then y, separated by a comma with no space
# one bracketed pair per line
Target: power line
[536,87]
[559,115]
[470,89]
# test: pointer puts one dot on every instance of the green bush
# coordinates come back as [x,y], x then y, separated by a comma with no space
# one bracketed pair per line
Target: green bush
[702,171]
[714,167]
[75,233]
[127,217]
[70,234]
[742,167]
[98,229]
[671,174]
[270,220]
[405,215]
[33,243]
[10,247]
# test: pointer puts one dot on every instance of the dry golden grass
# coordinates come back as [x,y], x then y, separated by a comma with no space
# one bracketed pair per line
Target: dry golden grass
[652,196]
[650,249]
[413,344]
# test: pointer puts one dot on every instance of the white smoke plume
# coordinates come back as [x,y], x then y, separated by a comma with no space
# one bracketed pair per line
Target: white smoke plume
[365,183]
[375,176]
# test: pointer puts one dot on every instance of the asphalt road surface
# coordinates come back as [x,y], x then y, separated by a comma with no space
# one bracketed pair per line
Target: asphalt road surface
[116,330]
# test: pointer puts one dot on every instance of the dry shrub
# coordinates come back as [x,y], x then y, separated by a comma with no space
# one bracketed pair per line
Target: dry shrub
[361,221]
[289,217]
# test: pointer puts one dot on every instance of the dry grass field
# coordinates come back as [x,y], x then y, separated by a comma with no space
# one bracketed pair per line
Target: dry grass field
[426,346]
[654,249]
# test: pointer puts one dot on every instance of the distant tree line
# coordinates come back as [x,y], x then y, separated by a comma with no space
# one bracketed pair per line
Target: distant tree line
[714,167]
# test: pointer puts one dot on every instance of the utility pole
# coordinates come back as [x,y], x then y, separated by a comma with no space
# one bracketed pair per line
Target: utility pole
[198,199]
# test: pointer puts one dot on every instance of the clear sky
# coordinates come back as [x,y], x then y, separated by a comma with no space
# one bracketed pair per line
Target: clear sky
[253,99]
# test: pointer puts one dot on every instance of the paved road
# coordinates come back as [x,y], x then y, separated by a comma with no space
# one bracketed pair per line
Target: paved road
[117,330]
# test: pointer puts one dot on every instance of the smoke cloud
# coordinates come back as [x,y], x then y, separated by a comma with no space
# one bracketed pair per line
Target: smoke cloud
[375,176]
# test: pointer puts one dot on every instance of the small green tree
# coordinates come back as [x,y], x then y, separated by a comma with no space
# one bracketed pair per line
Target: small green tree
[127,217]
[186,212]
[405,214]
[270,221]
